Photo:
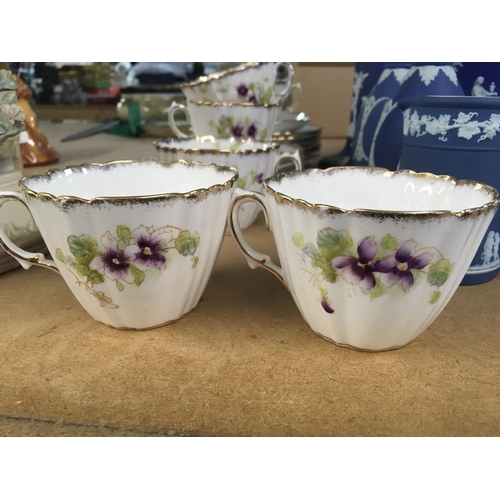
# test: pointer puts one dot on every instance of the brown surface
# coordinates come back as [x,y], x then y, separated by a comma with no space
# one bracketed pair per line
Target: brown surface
[243,363]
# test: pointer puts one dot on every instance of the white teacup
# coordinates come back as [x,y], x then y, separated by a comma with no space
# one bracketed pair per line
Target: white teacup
[242,121]
[371,257]
[135,241]
[254,160]
[253,82]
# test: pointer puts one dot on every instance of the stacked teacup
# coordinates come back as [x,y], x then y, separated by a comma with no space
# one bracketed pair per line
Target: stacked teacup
[232,114]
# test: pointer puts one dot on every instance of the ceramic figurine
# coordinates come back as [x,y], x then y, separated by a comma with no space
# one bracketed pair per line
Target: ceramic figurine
[479,79]
[35,147]
[421,79]
[371,108]
[458,136]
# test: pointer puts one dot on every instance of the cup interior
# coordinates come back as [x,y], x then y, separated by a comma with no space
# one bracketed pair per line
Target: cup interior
[209,143]
[129,179]
[364,188]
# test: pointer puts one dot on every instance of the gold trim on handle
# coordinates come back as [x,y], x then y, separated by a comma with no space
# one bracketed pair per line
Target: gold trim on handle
[262,262]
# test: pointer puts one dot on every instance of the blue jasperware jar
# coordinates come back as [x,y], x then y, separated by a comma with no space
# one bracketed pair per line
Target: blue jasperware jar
[366,75]
[371,108]
[479,79]
[421,79]
[457,136]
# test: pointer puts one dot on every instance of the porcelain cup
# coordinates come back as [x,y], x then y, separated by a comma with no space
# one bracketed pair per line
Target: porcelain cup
[135,241]
[242,121]
[371,257]
[254,160]
[253,82]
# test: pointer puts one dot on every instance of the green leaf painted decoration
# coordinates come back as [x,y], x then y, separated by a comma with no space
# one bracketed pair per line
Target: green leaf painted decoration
[298,240]
[312,252]
[332,243]
[119,285]
[389,242]
[60,256]
[123,232]
[242,182]
[95,277]
[186,244]
[139,276]
[83,248]
[234,147]
[435,297]
[439,272]
[328,271]
[223,90]
[378,291]
[195,260]
[262,134]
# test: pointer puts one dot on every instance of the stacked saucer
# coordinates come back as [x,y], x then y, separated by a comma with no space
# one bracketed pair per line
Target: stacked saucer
[307,139]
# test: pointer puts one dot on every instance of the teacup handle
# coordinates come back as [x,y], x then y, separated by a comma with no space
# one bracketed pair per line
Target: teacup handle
[254,259]
[293,157]
[291,77]
[26,259]
[297,86]
[171,119]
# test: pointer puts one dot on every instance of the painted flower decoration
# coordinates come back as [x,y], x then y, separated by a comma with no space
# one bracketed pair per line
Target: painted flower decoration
[251,131]
[359,270]
[116,262]
[253,98]
[259,178]
[237,131]
[398,268]
[152,249]
[242,90]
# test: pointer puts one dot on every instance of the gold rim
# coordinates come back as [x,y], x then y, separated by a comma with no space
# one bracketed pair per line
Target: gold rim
[197,194]
[331,209]
[223,104]
[221,74]
[162,145]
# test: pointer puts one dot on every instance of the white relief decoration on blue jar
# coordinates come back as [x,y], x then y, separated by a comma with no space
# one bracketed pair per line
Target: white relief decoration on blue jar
[490,254]
[465,125]
[359,79]
[429,73]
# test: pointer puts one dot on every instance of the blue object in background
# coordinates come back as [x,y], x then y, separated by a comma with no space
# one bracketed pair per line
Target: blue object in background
[371,108]
[479,79]
[458,136]
[421,79]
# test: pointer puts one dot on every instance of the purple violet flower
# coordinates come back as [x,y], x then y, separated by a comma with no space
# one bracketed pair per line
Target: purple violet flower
[242,90]
[116,262]
[237,131]
[359,270]
[252,131]
[259,178]
[253,98]
[327,307]
[398,268]
[152,249]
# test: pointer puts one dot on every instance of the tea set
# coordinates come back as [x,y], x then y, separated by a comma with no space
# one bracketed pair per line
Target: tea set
[370,256]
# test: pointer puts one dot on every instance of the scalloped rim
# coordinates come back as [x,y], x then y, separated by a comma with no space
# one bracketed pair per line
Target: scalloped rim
[223,104]
[221,74]
[196,193]
[331,209]
[162,145]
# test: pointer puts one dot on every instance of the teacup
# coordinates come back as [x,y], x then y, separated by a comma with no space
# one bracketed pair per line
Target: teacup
[253,82]
[135,241]
[254,160]
[371,257]
[242,121]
